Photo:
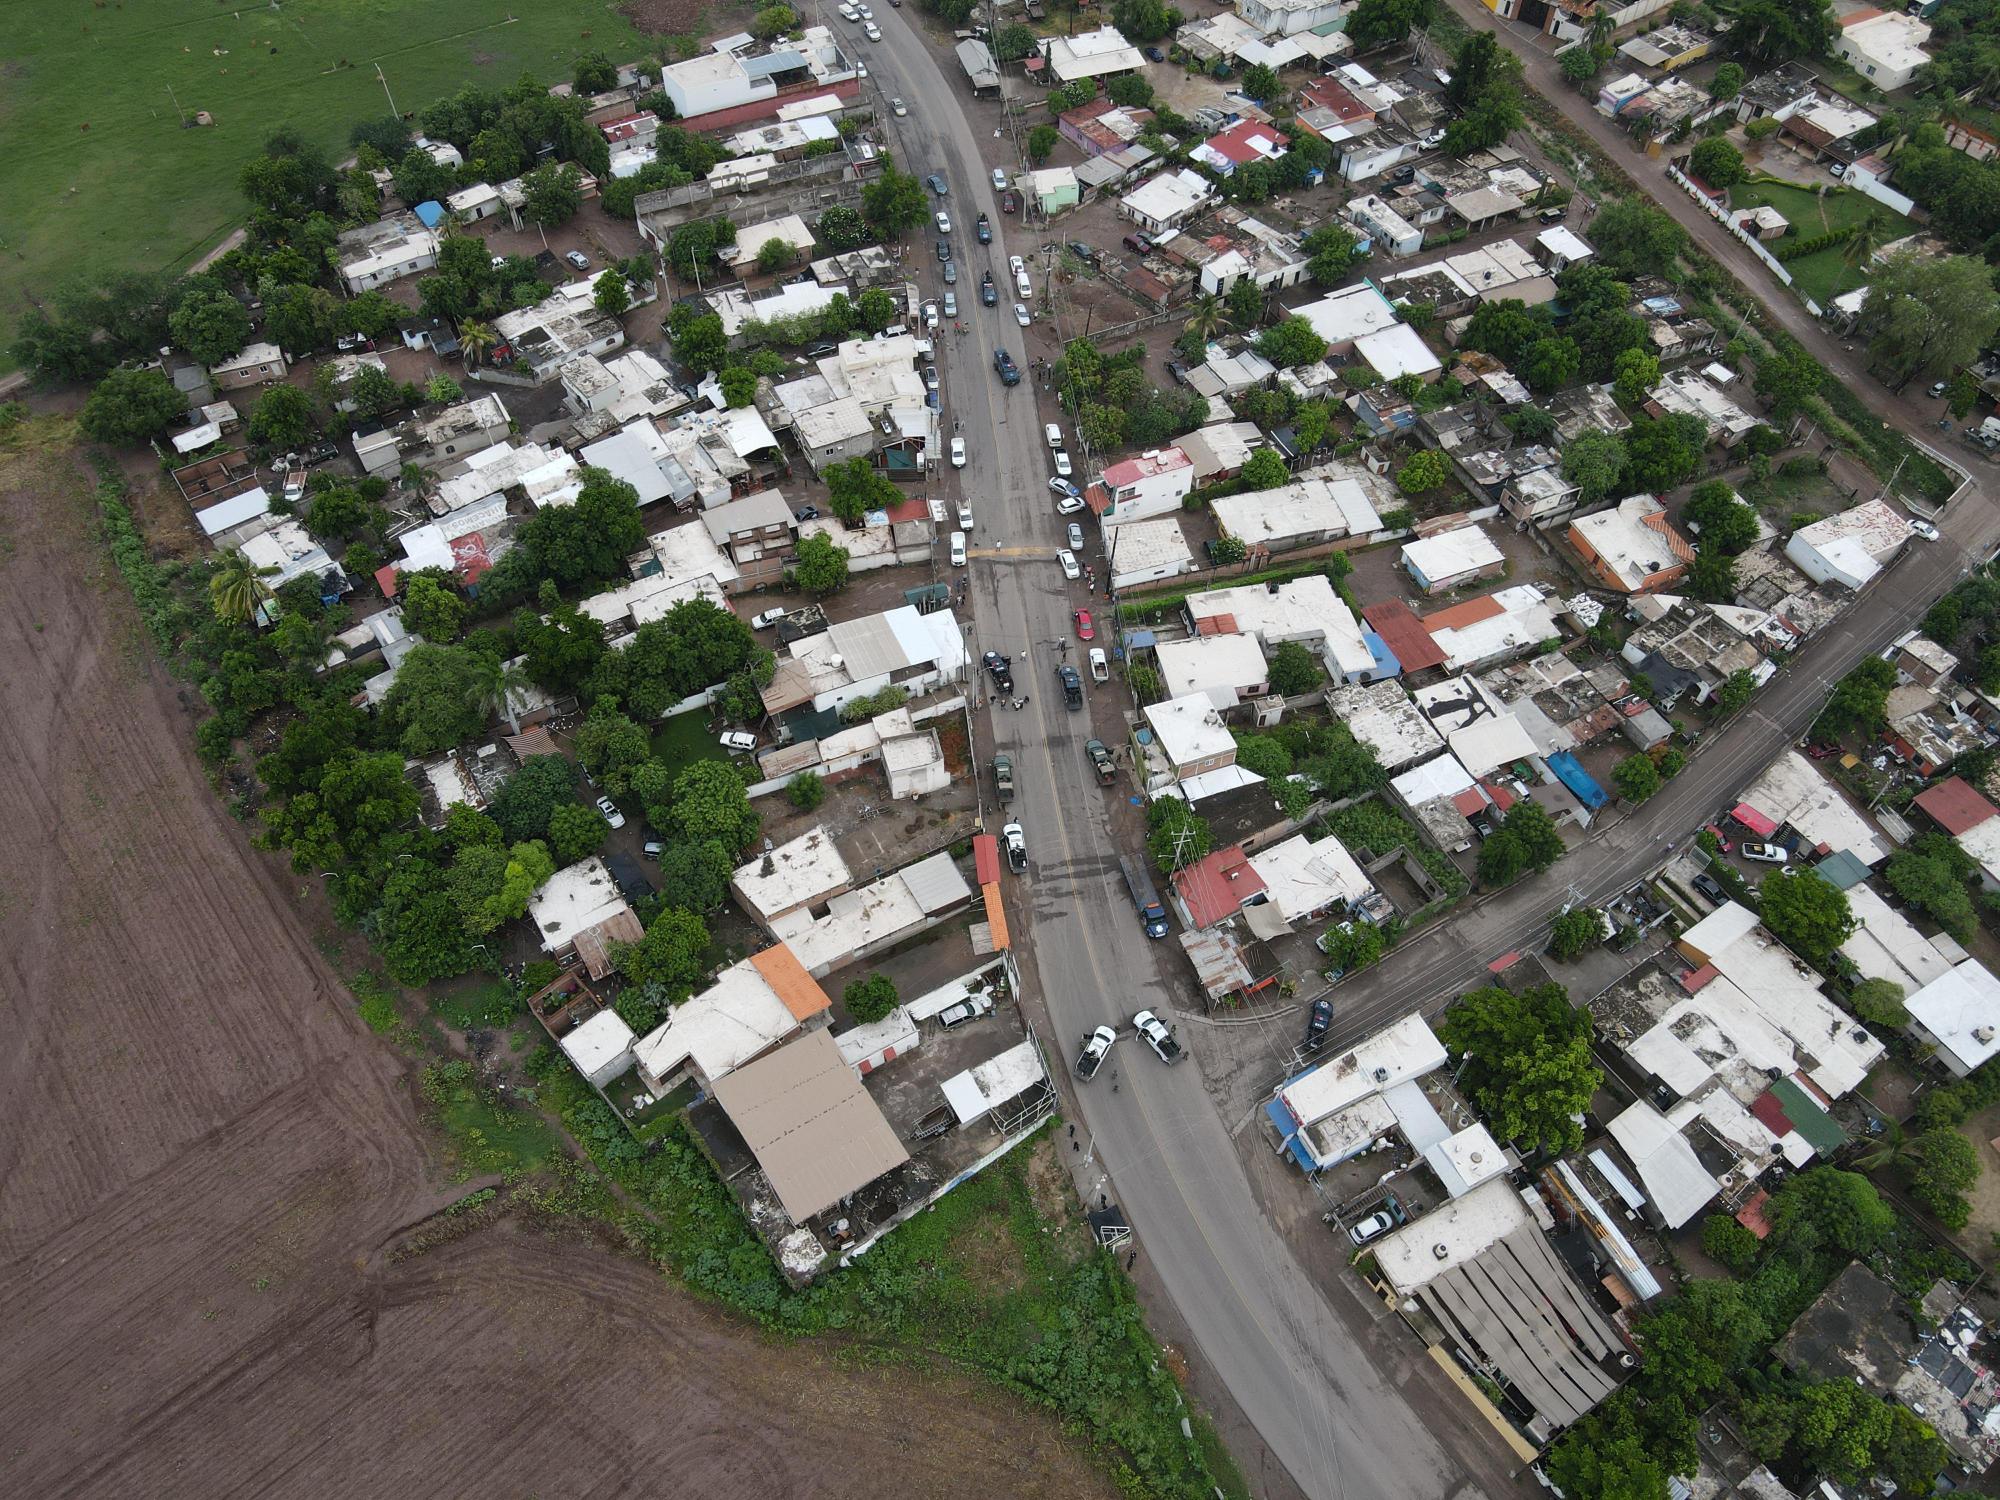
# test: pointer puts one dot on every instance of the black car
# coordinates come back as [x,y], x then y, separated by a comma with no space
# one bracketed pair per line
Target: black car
[944,249]
[986,292]
[1154,54]
[1710,887]
[984,228]
[1178,370]
[1072,686]
[951,273]
[1003,362]
[1002,668]
[1318,1023]
[806,513]
[936,184]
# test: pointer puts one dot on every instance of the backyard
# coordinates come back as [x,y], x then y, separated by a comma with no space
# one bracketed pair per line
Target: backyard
[1827,273]
[103,174]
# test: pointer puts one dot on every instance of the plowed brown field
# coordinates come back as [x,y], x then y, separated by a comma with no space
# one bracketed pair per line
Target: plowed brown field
[203,1154]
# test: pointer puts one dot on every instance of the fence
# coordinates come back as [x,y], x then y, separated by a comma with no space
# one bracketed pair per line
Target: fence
[1721,216]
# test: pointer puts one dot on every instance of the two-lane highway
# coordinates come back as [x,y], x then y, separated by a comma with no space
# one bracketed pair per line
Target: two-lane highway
[1329,1411]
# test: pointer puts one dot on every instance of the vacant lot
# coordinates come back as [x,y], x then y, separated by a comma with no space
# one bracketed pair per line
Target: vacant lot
[207,1161]
[1826,274]
[99,172]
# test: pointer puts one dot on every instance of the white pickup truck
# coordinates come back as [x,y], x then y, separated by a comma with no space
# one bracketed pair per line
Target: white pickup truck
[1159,1036]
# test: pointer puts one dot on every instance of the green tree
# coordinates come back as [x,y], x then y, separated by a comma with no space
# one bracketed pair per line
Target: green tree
[673,954]
[611,295]
[1925,317]
[1634,238]
[435,702]
[1528,1067]
[1725,521]
[806,791]
[441,389]
[553,192]
[528,800]
[1735,692]
[1594,462]
[1634,373]
[1828,1207]
[894,202]
[1527,840]
[282,418]
[576,832]
[774,255]
[132,406]
[432,607]
[1144,20]
[416,928]
[1382,23]
[821,565]
[210,325]
[709,803]
[1290,343]
[697,873]
[1788,382]
[874,310]
[1013,42]
[1662,454]
[1765,33]
[1549,364]
[1596,1461]
[1425,471]
[1717,162]
[611,746]
[594,74]
[1575,932]
[236,587]
[589,539]
[1729,1243]
[490,885]
[1042,143]
[871,999]
[1295,670]
[1636,778]
[773,21]
[1580,64]
[1175,834]
[1260,82]
[1264,470]
[1946,1167]
[1931,873]
[1727,82]
[1805,913]
[739,386]
[855,487]
[1330,252]
[1858,702]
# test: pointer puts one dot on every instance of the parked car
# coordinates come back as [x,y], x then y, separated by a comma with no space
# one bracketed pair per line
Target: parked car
[1067,562]
[1096,1047]
[1319,1021]
[611,813]
[1003,776]
[1766,854]
[1376,1224]
[1553,215]
[1064,487]
[1086,630]
[1052,434]
[654,848]
[1100,668]
[578,259]
[1139,242]
[999,179]
[1101,761]
[1015,842]
[1177,371]
[1721,841]
[969,1009]
[1710,887]
[958,549]
[806,513]
[1154,54]
[930,377]
[1139,885]
[1939,387]
[944,250]
[1022,315]
[1020,270]
[847,13]
[1923,529]
[1061,457]
[951,304]
[1075,537]
[951,273]
[767,619]
[983,227]
[740,740]
[964,517]
[958,453]
[1159,1036]
[1010,201]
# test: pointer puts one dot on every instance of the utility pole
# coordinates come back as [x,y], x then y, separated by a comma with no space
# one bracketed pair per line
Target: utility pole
[384,80]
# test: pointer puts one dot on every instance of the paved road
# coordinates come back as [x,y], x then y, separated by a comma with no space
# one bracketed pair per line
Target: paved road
[1327,1407]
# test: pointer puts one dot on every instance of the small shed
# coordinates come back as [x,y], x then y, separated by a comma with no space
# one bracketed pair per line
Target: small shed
[601,1048]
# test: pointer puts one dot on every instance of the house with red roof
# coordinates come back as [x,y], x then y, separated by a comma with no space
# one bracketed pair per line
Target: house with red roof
[1242,143]
[1216,887]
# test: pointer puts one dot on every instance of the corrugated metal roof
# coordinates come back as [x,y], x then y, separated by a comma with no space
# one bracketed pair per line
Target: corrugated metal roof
[790,982]
[936,883]
[996,916]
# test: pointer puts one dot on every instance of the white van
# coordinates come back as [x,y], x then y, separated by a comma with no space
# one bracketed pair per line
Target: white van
[1054,434]
[958,549]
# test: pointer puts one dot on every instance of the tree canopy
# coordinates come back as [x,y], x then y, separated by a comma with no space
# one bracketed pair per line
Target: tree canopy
[1528,1066]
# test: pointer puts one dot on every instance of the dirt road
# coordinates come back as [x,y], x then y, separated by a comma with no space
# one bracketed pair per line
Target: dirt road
[203,1157]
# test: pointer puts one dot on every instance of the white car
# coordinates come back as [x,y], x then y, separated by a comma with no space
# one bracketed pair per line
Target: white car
[930,317]
[958,453]
[958,549]
[1067,561]
[1765,854]
[1054,434]
[898,108]
[1075,536]
[848,13]
[965,518]
[872,32]
[999,180]
[1069,505]
[943,222]
[767,619]
[1100,669]
[1021,314]
[1924,529]
[740,740]
[951,304]
[1062,463]
[1374,1226]
[1020,271]
[611,813]
[864,12]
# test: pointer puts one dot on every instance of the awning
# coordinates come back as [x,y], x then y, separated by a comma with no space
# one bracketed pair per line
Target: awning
[1753,820]
[996,917]
[985,858]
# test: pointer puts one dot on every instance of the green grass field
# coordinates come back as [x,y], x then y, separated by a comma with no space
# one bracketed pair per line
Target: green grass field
[1825,275]
[99,173]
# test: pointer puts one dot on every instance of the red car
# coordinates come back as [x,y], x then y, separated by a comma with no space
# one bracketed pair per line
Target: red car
[1085,631]
[1010,202]
[1720,840]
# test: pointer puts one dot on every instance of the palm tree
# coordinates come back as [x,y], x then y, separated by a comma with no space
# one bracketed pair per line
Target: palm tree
[1602,28]
[236,588]
[475,338]
[1207,316]
[497,686]
[1894,1147]
[1866,239]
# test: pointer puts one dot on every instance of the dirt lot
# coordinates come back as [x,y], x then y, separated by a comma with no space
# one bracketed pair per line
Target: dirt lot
[205,1155]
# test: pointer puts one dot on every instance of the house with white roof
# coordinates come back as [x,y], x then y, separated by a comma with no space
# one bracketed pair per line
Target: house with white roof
[752,1006]
[1166,201]
[580,910]
[1451,559]
[877,916]
[1885,944]
[1147,552]
[1885,47]
[1692,393]
[1958,1015]
[1092,54]
[1191,734]
[804,873]
[1791,792]
[1343,1106]
[1305,879]
[1384,228]
[1385,719]
[855,658]
[1307,512]
[1397,351]
[1306,610]
[1341,317]
[1632,546]
[1225,669]
[1851,547]
[1492,627]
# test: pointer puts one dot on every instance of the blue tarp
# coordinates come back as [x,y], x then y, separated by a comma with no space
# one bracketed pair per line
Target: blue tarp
[430,213]
[1288,1132]
[1570,772]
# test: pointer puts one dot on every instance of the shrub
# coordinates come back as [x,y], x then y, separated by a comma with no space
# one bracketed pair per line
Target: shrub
[1728,1243]
[807,791]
